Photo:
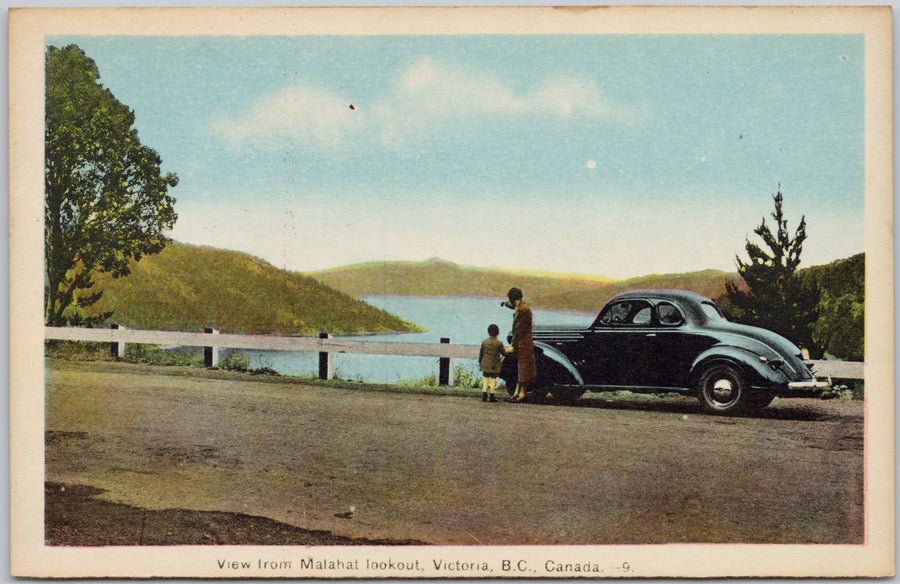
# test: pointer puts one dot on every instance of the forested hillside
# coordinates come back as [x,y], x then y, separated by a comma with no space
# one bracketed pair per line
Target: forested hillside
[188,287]
[840,327]
[438,277]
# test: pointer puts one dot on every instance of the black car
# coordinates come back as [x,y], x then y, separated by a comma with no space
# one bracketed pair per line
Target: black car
[650,341]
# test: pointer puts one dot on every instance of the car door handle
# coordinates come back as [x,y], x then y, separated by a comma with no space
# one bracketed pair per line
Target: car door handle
[651,334]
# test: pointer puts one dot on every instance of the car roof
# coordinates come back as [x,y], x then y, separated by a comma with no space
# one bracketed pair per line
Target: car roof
[663,294]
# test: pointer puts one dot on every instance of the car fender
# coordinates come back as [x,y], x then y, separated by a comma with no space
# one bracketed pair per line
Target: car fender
[547,352]
[759,373]
[542,352]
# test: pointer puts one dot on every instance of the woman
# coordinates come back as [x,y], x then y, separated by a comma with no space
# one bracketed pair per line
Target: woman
[522,343]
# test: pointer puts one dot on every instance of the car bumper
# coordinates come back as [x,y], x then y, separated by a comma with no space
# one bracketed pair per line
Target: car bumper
[816,388]
[813,384]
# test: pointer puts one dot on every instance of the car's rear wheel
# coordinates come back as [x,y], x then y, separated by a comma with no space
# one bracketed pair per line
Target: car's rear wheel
[509,373]
[722,389]
[565,394]
[552,378]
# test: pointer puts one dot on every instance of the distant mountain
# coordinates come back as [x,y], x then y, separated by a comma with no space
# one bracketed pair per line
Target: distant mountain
[436,277]
[188,287]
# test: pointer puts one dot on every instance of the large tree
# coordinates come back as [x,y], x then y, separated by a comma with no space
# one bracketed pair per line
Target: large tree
[777,298]
[106,200]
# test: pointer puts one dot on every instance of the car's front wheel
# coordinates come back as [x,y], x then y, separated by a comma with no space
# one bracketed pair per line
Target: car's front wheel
[722,389]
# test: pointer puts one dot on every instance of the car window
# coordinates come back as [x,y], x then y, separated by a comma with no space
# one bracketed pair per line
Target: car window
[626,312]
[669,315]
[615,313]
[642,316]
[711,311]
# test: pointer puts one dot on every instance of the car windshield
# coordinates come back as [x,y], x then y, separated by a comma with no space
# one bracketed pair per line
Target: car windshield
[711,311]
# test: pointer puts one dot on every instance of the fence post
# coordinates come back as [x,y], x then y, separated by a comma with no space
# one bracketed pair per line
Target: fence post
[445,370]
[326,365]
[117,348]
[211,354]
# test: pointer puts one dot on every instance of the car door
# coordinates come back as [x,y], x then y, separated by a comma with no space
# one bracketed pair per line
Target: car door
[676,345]
[671,351]
[618,346]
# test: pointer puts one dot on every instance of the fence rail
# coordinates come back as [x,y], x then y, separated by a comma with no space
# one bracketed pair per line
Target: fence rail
[326,346]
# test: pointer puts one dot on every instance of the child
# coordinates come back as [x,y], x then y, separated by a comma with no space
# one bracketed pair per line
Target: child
[489,360]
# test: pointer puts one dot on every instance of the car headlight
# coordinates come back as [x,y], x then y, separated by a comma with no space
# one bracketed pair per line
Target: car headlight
[773,363]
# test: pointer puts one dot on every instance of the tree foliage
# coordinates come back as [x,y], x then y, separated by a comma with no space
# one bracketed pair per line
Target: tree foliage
[106,200]
[840,327]
[777,298]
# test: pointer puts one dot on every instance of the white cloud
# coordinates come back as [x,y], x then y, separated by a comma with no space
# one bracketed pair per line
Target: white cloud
[567,97]
[441,90]
[307,115]
[428,96]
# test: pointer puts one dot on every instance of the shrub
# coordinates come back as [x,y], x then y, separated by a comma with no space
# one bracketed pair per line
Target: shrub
[235,362]
[154,355]
[465,379]
[78,350]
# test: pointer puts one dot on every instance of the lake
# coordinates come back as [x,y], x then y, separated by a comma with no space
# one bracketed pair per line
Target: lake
[462,319]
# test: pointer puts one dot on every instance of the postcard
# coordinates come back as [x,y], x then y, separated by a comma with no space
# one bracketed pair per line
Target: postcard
[451,292]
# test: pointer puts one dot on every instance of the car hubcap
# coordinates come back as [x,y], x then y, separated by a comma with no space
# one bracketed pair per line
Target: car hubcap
[723,390]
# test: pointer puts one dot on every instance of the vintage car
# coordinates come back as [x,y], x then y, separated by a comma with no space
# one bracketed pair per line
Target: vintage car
[650,341]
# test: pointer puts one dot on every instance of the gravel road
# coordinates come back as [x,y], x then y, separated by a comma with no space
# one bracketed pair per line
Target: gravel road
[441,467]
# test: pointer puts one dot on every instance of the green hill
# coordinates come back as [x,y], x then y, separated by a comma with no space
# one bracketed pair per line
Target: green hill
[188,287]
[436,277]
[840,277]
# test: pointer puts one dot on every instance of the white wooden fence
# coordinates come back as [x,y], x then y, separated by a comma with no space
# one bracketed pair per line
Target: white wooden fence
[326,346]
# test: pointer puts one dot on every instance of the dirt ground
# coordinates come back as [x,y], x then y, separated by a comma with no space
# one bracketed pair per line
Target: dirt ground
[142,455]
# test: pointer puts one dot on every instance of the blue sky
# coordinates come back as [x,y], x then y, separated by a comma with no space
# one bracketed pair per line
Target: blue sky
[619,155]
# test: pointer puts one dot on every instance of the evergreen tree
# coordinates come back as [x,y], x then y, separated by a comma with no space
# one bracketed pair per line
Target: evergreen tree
[105,199]
[777,299]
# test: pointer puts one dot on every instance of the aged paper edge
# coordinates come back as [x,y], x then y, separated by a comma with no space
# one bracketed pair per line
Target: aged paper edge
[27,28]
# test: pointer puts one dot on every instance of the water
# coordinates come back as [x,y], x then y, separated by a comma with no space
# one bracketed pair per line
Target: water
[462,319]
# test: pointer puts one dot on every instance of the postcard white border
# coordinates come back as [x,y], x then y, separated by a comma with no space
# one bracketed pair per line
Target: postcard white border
[29,26]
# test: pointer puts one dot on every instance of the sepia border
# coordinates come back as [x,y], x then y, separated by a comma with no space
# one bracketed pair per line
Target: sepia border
[27,29]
